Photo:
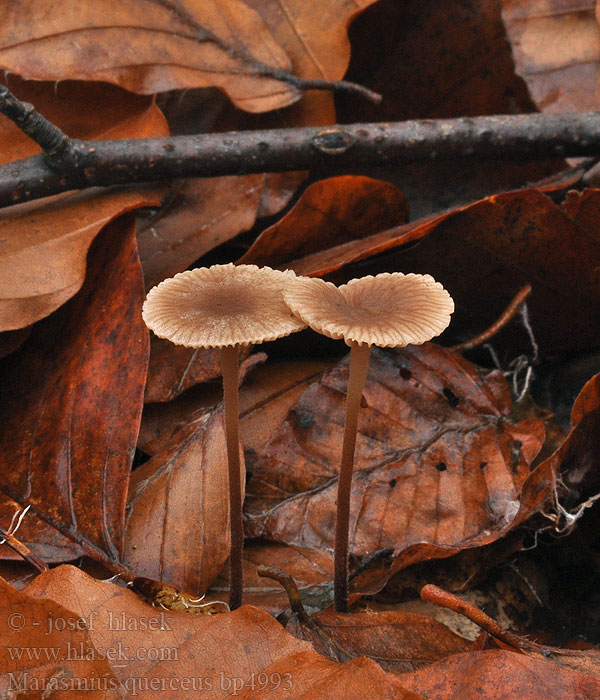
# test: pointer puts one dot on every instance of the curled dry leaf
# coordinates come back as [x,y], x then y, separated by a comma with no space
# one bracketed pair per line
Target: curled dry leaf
[68,434]
[43,245]
[266,395]
[485,251]
[329,213]
[163,652]
[438,460]
[177,528]
[556,47]
[199,215]
[150,47]
[500,674]
[398,641]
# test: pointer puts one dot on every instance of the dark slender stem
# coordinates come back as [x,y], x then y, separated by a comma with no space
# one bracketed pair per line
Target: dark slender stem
[516,303]
[359,365]
[347,148]
[290,587]
[229,367]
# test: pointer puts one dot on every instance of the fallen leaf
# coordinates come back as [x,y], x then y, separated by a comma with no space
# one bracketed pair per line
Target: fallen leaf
[177,528]
[172,653]
[201,214]
[432,60]
[175,368]
[485,251]
[44,248]
[47,648]
[556,47]
[90,111]
[438,459]
[68,434]
[502,675]
[148,48]
[266,394]
[43,244]
[330,212]
[311,569]
[398,641]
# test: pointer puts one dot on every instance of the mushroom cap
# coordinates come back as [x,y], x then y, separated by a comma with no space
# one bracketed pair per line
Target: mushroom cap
[222,305]
[388,310]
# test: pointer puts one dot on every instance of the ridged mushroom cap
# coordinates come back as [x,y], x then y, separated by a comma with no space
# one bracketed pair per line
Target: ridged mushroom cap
[388,310]
[222,305]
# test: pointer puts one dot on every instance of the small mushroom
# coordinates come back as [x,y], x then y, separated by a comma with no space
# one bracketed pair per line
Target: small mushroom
[226,307]
[389,310]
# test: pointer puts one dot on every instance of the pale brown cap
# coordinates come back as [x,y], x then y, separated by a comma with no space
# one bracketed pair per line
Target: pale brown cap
[389,310]
[222,305]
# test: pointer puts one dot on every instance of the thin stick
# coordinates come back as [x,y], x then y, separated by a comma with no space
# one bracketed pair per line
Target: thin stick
[23,550]
[359,365]
[230,369]
[338,148]
[289,586]
[510,311]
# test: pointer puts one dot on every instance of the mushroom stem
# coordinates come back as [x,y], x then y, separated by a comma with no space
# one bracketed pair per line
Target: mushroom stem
[359,364]
[230,371]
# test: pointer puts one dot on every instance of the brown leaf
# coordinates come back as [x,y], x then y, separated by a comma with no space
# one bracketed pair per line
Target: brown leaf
[432,60]
[44,244]
[505,240]
[41,654]
[311,569]
[178,514]
[221,653]
[92,111]
[329,213]
[175,368]
[265,397]
[575,461]
[556,47]
[200,214]
[150,47]
[73,399]
[501,675]
[398,641]
[438,459]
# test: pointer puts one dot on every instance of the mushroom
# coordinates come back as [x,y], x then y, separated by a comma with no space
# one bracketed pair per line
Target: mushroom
[388,310]
[226,307]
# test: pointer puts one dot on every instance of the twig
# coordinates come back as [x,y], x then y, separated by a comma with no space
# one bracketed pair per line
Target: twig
[436,595]
[8,538]
[31,122]
[507,315]
[345,148]
[290,587]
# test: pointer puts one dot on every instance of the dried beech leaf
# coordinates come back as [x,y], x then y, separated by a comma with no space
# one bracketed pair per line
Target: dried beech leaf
[438,459]
[90,111]
[66,653]
[488,673]
[201,214]
[166,649]
[556,46]
[73,399]
[265,397]
[43,244]
[330,212]
[150,47]
[178,514]
[511,238]
[398,641]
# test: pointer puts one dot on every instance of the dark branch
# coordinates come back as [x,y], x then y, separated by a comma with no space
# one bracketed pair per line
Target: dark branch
[38,128]
[348,148]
